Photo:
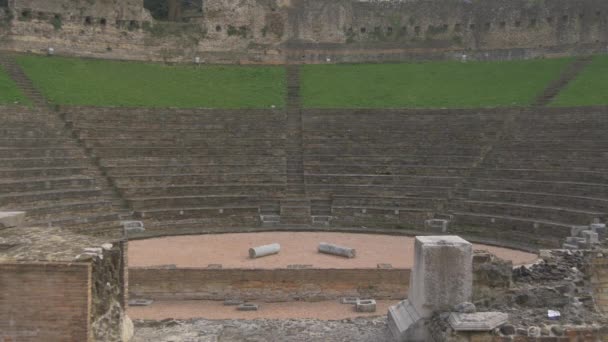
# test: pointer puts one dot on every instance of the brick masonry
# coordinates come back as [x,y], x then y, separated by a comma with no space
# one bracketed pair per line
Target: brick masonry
[599,280]
[267,285]
[45,302]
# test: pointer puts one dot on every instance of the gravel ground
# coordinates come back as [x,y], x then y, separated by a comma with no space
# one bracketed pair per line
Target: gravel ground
[263,330]
[325,310]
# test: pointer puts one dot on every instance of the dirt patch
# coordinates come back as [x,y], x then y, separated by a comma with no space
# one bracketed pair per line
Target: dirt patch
[297,248]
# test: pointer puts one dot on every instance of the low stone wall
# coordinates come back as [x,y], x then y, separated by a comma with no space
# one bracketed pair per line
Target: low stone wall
[275,285]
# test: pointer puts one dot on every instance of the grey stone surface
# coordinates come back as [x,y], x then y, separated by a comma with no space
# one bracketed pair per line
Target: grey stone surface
[437,225]
[576,230]
[349,300]
[11,219]
[328,248]
[262,251]
[465,307]
[248,307]
[365,305]
[405,324]
[534,331]
[133,226]
[140,302]
[441,278]
[442,275]
[478,321]
[590,236]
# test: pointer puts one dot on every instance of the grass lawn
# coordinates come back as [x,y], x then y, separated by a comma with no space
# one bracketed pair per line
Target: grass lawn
[428,85]
[9,93]
[589,88]
[72,81]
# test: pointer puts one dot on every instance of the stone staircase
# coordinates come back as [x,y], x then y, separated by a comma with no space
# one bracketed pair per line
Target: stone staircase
[109,191]
[295,169]
[295,209]
[567,75]
[15,72]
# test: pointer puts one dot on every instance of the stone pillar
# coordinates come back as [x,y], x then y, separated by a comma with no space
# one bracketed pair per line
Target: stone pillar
[442,277]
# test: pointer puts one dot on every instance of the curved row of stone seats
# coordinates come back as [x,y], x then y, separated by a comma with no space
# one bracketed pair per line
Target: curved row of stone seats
[391,168]
[177,166]
[546,173]
[383,210]
[44,172]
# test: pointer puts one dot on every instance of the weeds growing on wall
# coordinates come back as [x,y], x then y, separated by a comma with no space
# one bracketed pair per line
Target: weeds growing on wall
[57,22]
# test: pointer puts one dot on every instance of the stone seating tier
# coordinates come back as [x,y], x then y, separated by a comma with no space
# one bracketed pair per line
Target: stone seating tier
[546,213]
[221,201]
[521,231]
[39,152]
[251,213]
[42,162]
[18,199]
[138,161]
[132,170]
[263,190]
[42,184]
[573,188]
[535,198]
[173,151]
[39,172]
[588,176]
[203,179]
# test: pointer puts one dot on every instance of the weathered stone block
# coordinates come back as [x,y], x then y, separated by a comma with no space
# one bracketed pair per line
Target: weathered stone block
[365,305]
[478,321]
[140,302]
[349,300]
[405,324]
[247,307]
[133,226]
[437,225]
[590,237]
[10,219]
[577,230]
[442,275]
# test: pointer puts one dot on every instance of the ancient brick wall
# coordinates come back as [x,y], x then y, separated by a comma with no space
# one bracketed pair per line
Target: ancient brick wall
[267,285]
[599,279]
[45,302]
[312,31]
[108,9]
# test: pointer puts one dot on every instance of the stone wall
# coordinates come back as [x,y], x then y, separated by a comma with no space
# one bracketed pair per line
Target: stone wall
[267,285]
[108,295]
[598,272]
[313,31]
[45,301]
[109,9]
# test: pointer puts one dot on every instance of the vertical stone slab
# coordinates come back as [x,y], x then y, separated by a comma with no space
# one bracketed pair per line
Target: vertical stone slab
[442,275]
